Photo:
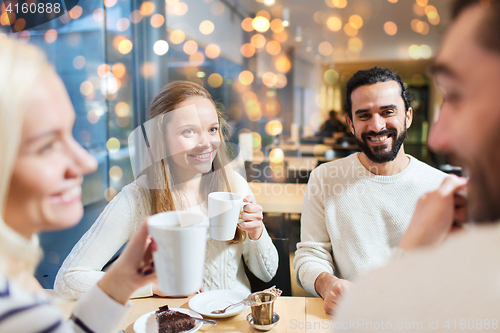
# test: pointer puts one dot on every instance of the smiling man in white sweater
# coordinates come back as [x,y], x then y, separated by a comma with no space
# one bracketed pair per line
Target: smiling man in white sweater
[356,209]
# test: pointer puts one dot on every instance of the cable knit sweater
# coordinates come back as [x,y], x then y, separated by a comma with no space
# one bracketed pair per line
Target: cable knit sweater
[119,220]
[352,218]
[452,287]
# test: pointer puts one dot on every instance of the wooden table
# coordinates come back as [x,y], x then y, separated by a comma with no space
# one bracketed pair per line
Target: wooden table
[300,149]
[297,163]
[297,315]
[279,197]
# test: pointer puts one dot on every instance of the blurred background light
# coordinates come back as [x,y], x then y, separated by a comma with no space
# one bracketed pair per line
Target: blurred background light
[206,27]
[215,80]
[390,28]
[247,50]
[334,23]
[261,24]
[177,36]
[276,155]
[273,47]
[190,47]
[147,8]
[160,47]
[245,78]
[246,24]
[212,51]
[258,41]
[274,127]
[157,20]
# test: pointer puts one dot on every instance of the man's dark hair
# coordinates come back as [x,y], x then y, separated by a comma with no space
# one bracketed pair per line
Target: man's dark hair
[372,76]
[489,29]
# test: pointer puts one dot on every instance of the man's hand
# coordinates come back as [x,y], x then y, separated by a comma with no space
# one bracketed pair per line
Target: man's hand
[436,215]
[331,288]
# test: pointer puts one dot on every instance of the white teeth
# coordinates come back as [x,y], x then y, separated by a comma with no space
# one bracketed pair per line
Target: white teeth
[379,138]
[203,156]
[68,195]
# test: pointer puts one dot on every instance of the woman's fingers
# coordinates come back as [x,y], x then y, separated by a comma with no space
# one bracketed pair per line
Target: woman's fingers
[251,216]
[248,198]
[250,225]
[252,208]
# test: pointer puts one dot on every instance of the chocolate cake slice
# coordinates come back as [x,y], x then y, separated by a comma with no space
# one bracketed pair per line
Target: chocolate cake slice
[170,321]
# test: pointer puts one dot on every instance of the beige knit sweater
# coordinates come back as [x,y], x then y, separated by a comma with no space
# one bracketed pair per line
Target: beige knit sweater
[452,287]
[354,218]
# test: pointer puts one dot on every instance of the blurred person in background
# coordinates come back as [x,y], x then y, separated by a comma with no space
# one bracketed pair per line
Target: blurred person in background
[188,130]
[41,172]
[356,209]
[439,280]
[332,127]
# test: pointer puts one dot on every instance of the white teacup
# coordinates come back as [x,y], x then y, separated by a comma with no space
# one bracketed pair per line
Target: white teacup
[181,239]
[223,210]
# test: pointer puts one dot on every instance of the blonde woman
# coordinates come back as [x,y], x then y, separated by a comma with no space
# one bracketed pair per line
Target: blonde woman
[187,134]
[41,170]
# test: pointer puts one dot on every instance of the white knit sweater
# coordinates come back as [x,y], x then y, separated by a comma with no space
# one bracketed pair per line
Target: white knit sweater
[121,218]
[352,218]
[454,287]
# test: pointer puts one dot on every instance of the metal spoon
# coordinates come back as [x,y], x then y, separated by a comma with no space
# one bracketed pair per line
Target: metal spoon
[229,306]
[207,321]
[246,301]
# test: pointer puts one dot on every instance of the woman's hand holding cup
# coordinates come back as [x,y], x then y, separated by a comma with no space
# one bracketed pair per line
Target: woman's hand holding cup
[134,268]
[252,218]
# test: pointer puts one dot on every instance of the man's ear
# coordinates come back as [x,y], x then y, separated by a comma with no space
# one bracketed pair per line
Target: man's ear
[409,117]
[351,126]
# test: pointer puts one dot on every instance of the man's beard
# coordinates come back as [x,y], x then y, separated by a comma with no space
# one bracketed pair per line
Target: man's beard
[378,154]
[483,192]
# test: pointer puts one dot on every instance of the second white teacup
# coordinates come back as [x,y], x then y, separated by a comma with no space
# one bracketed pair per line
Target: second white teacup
[223,211]
[181,239]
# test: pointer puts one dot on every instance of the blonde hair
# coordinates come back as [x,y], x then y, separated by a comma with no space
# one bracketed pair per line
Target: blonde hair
[160,175]
[21,67]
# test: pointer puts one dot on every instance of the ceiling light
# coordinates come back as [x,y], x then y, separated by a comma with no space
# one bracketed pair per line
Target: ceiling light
[286,17]
[298,34]
[308,45]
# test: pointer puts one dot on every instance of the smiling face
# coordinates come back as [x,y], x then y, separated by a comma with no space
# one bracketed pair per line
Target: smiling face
[379,120]
[45,188]
[192,137]
[469,121]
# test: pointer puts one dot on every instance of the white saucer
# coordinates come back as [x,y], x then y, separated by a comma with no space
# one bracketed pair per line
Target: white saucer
[147,322]
[208,301]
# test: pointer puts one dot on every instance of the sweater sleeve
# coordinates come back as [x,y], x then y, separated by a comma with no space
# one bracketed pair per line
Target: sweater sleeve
[313,255]
[21,311]
[261,256]
[98,312]
[82,268]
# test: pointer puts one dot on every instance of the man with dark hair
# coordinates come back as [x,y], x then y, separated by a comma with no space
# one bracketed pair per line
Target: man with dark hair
[368,78]
[357,208]
[437,280]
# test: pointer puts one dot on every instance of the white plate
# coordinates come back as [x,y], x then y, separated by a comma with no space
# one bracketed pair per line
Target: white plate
[147,322]
[208,301]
